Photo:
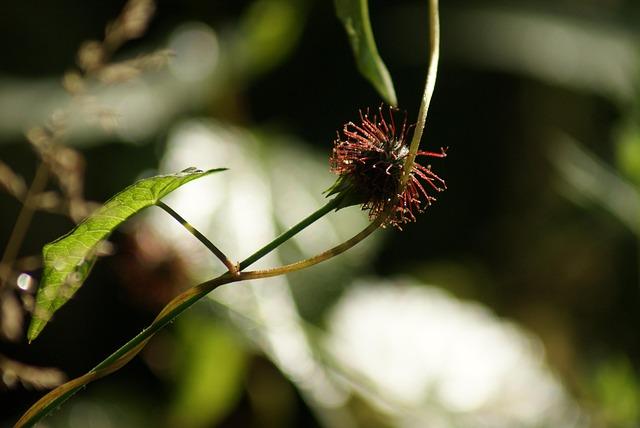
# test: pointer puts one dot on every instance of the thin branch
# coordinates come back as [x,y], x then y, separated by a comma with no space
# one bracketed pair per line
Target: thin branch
[233,269]
[339,249]
[22,223]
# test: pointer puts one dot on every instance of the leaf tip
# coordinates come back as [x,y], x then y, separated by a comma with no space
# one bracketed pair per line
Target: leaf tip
[391,97]
[35,328]
[37,324]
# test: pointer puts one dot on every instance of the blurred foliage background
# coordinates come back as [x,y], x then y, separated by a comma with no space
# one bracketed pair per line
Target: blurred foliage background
[511,302]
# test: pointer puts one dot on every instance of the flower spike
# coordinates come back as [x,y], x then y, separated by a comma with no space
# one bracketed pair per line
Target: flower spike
[369,159]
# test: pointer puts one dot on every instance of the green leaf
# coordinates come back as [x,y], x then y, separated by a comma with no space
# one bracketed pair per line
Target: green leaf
[210,375]
[354,15]
[69,259]
[269,31]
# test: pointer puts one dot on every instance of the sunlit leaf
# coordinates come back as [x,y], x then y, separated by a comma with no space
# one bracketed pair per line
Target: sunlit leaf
[69,259]
[354,15]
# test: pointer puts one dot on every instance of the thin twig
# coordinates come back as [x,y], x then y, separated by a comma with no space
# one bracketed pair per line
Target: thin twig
[231,267]
[266,273]
[328,207]
[22,224]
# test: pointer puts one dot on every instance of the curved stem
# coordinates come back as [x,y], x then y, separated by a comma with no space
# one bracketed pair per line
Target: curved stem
[170,312]
[434,56]
[329,206]
[125,353]
[266,273]
[233,269]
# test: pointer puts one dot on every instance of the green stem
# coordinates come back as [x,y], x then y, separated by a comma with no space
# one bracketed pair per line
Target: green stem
[186,300]
[177,306]
[165,318]
[195,232]
[432,72]
[127,351]
[205,288]
[329,206]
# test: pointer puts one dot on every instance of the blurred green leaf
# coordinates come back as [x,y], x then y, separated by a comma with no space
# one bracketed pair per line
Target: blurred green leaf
[212,372]
[628,151]
[618,393]
[354,15]
[591,179]
[69,259]
[270,30]
[524,40]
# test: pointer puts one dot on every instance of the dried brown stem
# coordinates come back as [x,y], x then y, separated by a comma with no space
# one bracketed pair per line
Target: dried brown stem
[22,224]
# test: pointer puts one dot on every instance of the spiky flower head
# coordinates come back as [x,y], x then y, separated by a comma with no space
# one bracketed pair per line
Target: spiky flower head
[369,158]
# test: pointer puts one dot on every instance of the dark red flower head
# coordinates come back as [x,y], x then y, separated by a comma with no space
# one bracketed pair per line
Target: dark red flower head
[369,157]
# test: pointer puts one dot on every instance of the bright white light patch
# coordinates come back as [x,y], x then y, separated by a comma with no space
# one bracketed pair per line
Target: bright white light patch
[25,282]
[430,357]
[196,51]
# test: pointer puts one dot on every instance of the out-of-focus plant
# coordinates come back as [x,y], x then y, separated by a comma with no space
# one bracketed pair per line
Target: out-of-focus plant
[374,159]
[616,393]
[64,166]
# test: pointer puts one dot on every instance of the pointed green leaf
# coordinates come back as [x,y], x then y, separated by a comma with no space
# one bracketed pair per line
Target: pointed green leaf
[69,259]
[354,15]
